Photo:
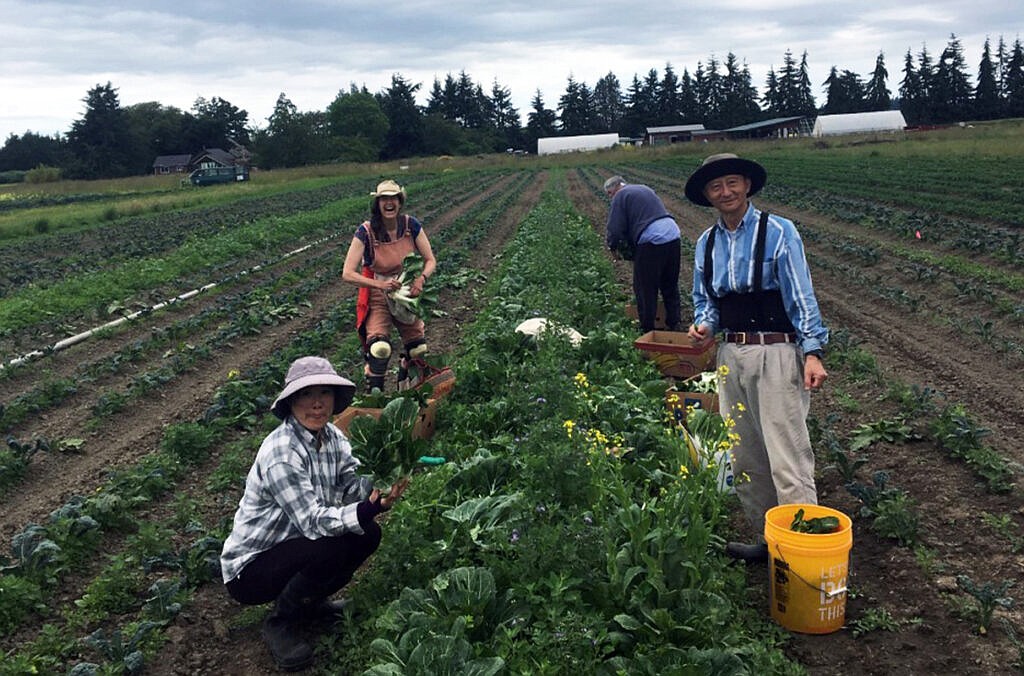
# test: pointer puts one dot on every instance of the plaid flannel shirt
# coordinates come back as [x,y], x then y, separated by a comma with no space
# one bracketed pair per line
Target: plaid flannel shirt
[292,490]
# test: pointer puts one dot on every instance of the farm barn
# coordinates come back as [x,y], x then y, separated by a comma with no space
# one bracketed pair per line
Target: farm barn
[853,123]
[677,133]
[779,127]
[569,144]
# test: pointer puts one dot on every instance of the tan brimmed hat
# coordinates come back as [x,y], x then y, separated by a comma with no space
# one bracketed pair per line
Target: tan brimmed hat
[389,187]
[724,164]
[310,371]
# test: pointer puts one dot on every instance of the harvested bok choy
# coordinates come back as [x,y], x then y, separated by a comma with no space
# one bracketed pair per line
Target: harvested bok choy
[417,306]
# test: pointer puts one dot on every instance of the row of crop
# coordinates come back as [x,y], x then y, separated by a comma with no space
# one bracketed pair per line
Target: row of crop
[995,321]
[921,414]
[230,246]
[145,584]
[898,214]
[248,315]
[1004,242]
[47,259]
[993,318]
[972,187]
[122,587]
[275,300]
[606,563]
[111,207]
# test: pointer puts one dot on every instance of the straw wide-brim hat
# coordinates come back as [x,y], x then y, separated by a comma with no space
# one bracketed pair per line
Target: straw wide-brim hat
[724,164]
[310,371]
[388,187]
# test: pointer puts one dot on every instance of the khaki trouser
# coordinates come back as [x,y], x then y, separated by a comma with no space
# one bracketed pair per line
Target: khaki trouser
[773,461]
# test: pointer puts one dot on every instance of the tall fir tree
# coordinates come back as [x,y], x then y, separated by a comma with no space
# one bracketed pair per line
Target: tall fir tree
[505,116]
[951,97]
[987,103]
[1014,81]
[609,107]
[100,141]
[805,97]
[712,99]
[876,92]
[542,122]
[668,106]
[740,105]
[688,99]
[575,108]
[405,120]
[789,87]
[770,100]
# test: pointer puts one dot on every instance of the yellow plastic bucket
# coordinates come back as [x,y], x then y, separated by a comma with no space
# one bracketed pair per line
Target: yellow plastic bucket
[808,572]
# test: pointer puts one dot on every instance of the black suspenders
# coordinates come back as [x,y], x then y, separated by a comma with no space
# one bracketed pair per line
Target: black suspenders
[759,245]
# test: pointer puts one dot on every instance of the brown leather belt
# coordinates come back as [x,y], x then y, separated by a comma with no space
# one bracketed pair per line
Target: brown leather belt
[755,338]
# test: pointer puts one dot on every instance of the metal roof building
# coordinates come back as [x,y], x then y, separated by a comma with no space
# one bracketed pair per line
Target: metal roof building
[676,133]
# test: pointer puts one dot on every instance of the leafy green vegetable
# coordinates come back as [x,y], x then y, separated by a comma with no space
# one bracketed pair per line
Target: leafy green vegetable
[817,526]
[386,445]
[421,305]
[380,399]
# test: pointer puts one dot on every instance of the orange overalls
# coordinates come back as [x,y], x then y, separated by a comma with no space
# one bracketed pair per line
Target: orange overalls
[373,317]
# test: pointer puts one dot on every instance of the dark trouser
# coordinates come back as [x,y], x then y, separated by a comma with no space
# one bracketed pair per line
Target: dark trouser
[332,561]
[656,268]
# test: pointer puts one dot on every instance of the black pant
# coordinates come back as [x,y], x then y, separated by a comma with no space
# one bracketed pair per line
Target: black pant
[656,268]
[332,561]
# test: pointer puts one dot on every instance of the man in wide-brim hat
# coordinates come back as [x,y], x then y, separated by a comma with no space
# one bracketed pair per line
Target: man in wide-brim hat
[751,285]
[306,521]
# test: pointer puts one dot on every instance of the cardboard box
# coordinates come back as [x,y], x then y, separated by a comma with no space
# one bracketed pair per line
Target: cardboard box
[423,429]
[659,315]
[675,354]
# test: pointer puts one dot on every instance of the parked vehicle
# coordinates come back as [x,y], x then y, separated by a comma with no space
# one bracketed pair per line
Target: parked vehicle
[212,175]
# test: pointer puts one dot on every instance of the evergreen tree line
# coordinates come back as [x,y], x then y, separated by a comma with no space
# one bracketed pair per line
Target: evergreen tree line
[461,118]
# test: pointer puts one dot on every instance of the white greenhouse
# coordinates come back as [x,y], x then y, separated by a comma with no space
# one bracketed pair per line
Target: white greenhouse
[570,144]
[853,123]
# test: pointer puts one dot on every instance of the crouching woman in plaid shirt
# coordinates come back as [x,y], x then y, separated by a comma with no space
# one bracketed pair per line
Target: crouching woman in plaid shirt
[306,521]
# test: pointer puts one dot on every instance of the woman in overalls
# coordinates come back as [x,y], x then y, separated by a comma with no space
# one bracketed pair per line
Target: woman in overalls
[373,263]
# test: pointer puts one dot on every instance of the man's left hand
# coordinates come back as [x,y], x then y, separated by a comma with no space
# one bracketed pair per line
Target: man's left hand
[814,372]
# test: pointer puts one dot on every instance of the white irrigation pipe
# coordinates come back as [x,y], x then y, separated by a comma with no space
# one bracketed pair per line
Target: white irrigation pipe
[85,335]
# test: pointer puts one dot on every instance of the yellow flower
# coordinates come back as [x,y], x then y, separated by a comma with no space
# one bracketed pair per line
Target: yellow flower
[233,373]
[581,380]
[683,471]
[740,407]
[723,371]
[569,425]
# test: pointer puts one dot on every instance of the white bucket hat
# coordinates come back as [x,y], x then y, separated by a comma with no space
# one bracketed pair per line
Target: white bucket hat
[310,371]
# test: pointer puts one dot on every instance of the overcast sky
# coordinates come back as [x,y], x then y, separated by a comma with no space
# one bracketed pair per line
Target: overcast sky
[52,52]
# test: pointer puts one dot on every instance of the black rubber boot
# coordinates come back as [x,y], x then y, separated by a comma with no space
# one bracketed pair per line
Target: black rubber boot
[326,610]
[755,553]
[281,628]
